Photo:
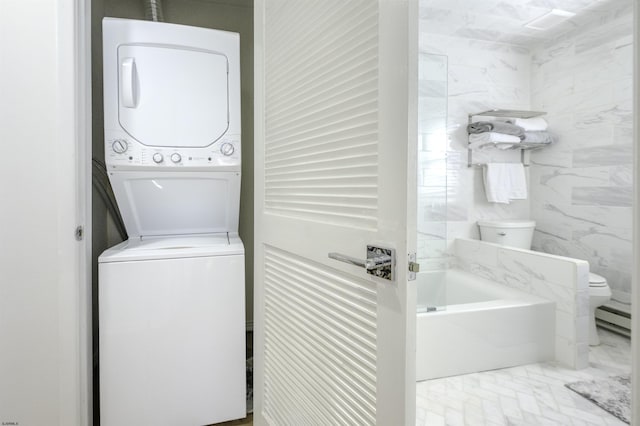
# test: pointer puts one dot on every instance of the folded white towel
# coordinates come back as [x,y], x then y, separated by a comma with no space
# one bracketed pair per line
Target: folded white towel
[504,182]
[531,124]
[478,140]
[540,137]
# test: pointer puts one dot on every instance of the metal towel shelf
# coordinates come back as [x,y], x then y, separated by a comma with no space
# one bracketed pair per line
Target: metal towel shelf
[508,113]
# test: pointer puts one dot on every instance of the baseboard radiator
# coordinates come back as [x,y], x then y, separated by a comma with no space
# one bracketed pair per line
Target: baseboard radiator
[614,319]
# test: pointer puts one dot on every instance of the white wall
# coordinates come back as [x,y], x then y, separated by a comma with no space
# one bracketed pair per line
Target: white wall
[581,187]
[42,333]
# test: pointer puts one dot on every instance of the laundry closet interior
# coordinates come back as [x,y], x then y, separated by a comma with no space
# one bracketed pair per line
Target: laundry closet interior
[184,190]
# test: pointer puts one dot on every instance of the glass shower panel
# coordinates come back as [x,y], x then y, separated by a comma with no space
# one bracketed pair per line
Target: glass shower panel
[432,182]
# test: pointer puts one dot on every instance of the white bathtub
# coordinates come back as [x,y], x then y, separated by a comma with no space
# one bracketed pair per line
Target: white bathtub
[484,326]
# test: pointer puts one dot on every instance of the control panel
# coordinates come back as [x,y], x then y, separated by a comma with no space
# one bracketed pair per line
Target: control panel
[123,150]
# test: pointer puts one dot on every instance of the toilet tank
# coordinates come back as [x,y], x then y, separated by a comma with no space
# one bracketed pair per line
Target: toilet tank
[512,233]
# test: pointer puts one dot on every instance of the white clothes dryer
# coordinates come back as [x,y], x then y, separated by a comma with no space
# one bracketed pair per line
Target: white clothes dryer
[171,297]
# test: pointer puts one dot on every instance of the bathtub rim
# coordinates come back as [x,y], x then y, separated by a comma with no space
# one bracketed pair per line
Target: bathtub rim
[505,296]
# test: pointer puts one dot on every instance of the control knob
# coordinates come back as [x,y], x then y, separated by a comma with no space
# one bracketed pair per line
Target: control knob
[175,157]
[120,146]
[158,158]
[227,149]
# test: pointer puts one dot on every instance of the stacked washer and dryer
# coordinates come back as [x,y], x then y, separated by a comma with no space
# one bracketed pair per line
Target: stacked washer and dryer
[171,297]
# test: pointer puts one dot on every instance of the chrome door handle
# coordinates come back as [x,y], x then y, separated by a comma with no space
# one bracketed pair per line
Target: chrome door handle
[368,264]
[380,262]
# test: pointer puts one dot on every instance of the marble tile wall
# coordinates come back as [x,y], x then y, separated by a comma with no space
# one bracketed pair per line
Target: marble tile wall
[482,75]
[562,280]
[581,188]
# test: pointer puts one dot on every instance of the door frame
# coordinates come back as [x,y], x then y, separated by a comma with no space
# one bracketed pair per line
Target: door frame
[73,87]
[635,286]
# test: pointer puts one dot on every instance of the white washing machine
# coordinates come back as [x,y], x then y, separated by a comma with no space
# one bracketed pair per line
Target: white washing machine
[171,297]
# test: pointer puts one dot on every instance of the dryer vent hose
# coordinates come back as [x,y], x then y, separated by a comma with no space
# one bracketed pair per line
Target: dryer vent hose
[100,180]
[153,10]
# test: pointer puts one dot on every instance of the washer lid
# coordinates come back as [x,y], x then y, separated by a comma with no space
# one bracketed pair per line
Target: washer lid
[157,248]
[507,223]
[596,280]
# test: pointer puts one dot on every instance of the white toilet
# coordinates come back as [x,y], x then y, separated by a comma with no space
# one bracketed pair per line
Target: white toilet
[519,234]
[599,294]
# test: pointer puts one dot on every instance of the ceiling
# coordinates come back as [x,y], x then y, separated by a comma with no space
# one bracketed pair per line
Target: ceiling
[504,20]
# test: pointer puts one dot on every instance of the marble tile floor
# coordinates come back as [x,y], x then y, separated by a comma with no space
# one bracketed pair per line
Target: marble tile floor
[530,395]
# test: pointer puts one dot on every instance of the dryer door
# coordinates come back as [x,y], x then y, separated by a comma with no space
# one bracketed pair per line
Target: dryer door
[170,203]
[172,97]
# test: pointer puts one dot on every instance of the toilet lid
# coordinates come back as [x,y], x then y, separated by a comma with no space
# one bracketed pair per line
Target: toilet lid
[596,280]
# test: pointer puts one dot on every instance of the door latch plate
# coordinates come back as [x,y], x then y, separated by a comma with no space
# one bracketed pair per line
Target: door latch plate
[414,267]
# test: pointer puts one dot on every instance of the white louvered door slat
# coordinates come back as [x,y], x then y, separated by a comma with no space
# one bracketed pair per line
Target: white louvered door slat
[336,94]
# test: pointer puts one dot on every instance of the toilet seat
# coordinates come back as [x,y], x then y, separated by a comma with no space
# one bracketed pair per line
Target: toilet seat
[597,292]
[596,280]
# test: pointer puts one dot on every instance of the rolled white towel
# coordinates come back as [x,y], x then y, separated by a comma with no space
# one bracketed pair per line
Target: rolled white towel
[531,124]
[478,140]
[489,139]
[540,137]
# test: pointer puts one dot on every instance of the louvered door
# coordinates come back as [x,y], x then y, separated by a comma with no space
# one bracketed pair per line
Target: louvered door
[335,129]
